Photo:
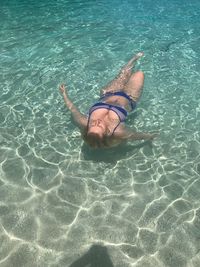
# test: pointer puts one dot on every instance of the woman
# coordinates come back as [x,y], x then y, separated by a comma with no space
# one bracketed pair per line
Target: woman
[104,126]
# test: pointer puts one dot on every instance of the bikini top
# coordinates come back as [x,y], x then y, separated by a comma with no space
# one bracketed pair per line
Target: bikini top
[121,112]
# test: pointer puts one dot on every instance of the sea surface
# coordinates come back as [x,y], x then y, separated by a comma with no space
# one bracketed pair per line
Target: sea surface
[63,204]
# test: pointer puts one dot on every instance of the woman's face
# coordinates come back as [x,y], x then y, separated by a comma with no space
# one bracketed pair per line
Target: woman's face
[97,126]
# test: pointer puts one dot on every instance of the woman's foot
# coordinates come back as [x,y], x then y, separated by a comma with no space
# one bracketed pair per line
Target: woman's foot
[132,61]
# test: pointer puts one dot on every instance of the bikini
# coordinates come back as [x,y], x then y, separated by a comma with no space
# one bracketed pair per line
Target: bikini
[120,111]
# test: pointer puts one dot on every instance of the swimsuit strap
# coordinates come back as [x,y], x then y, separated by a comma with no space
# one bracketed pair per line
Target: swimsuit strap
[115,128]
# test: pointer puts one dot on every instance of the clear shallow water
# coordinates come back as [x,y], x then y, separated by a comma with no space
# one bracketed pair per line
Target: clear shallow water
[62,204]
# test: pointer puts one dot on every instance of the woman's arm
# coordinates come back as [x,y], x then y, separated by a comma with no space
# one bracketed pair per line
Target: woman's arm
[128,134]
[141,136]
[78,117]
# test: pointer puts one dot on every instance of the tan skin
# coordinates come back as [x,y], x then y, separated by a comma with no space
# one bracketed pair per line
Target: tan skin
[103,121]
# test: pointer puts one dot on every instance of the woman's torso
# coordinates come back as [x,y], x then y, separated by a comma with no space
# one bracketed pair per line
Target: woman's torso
[114,123]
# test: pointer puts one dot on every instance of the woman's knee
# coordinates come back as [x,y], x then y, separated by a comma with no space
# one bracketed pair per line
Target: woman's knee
[137,79]
[138,75]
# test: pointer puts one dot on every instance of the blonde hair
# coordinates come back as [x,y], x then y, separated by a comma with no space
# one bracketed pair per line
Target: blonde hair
[94,140]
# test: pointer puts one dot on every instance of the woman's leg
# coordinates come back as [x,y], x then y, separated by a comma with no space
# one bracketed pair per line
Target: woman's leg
[134,86]
[123,77]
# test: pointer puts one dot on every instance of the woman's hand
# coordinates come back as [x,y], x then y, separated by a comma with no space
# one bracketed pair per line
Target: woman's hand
[62,89]
[153,135]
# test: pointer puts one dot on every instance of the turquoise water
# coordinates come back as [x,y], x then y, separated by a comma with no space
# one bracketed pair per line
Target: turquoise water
[62,204]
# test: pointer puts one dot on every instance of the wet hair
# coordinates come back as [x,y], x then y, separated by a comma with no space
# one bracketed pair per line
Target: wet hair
[95,141]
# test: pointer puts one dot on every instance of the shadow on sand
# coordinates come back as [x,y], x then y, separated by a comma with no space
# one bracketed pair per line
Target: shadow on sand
[112,155]
[97,256]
